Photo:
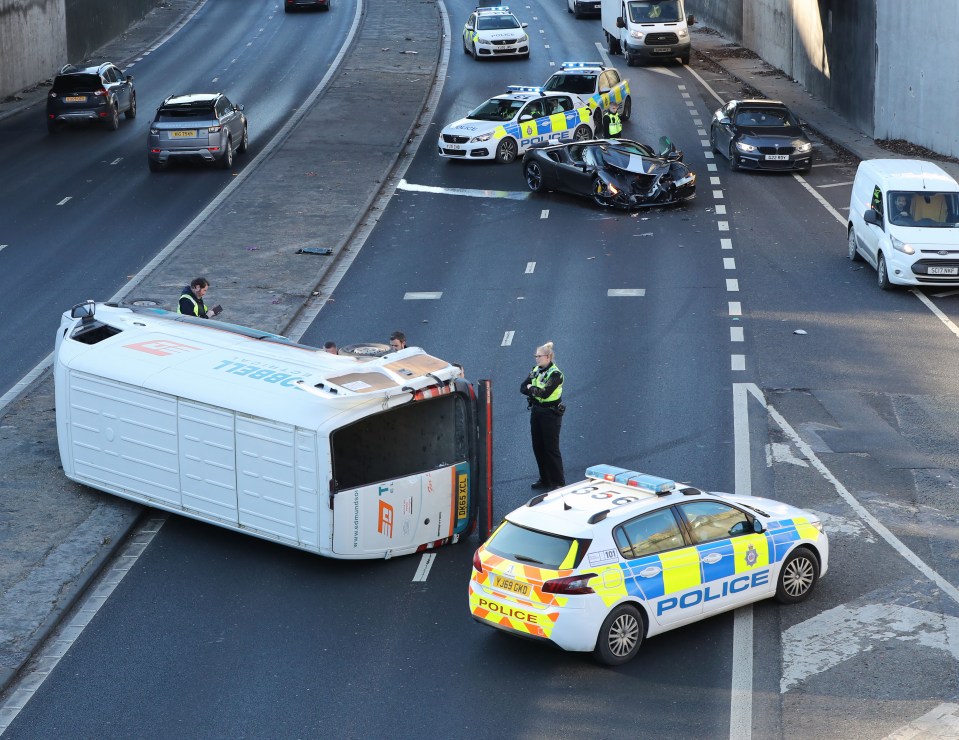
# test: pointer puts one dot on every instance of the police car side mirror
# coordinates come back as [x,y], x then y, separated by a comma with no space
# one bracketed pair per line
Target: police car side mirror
[757,526]
[526,117]
[524,25]
[469,27]
[871,217]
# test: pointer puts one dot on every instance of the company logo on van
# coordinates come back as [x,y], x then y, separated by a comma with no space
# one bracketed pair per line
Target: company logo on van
[384,520]
[161,347]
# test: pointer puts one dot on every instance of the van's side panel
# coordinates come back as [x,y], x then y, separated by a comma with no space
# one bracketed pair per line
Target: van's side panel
[307,489]
[207,460]
[266,485]
[124,438]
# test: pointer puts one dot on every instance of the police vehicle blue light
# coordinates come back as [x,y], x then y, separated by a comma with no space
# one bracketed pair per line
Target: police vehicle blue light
[581,65]
[524,89]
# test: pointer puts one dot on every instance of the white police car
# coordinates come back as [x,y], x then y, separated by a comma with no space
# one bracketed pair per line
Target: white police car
[507,125]
[602,564]
[595,84]
[495,32]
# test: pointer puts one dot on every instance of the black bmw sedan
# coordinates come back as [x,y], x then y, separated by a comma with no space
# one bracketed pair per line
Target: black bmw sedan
[760,135]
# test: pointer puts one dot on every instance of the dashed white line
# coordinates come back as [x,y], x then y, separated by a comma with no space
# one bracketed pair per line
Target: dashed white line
[3,246]
[735,308]
[737,362]
[723,225]
[736,334]
[117,160]
[718,194]
[711,167]
[507,339]
[544,214]
[720,210]
[726,243]
[705,143]
[709,155]
[729,263]
[423,570]
[530,266]
[701,131]
[625,292]
[714,181]
[69,197]
[732,285]
[423,296]
[697,122]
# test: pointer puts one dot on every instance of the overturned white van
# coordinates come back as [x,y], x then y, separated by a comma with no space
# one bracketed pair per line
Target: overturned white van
[344,456]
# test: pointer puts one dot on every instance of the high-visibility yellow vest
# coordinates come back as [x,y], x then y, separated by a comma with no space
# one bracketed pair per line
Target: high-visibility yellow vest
[541,379]
[615,124]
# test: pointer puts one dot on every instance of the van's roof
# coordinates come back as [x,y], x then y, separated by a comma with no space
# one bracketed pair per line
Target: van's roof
[910,174]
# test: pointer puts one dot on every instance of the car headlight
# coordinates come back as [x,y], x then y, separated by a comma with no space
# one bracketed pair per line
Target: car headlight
[637,34]
[525,37]
[744,147]
[481,137]
[688,179]
[803,146]
[683,33]
[901,246]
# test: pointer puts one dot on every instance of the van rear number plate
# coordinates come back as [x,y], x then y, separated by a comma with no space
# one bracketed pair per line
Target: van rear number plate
[508,584]
[778,157]
[944,270]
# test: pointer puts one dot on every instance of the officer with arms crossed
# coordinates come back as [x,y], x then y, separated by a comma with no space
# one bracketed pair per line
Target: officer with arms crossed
[543,388]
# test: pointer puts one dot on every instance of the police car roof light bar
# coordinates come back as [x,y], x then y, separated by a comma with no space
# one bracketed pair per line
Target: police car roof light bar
[631,478]
[523,88]
[493,9]
[581,65]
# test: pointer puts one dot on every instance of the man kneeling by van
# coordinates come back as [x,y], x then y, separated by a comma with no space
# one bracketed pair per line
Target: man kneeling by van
[191,300]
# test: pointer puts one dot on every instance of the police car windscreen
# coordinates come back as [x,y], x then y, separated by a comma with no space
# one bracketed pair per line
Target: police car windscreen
[496,22]
[535,548]
[576,84]
[651,11]
[496,110]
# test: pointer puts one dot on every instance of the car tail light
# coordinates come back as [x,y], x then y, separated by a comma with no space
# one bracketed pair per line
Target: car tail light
[477,563]
[569,585]
[214,129]
[101,92]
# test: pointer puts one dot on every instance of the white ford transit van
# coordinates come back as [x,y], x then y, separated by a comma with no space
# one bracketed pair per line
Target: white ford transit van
[904,221]
[645,30]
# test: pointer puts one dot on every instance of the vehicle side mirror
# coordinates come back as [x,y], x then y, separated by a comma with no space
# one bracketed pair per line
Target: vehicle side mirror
[85,311]
[129,78]
[526,117]
[690,20]
[469,27]
[757,526]
[238,107]
[524,25]
[724,121]
[620,23]
[604,90]
[871,217]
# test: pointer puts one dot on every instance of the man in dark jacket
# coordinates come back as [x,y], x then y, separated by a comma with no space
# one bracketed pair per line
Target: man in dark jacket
[191,300]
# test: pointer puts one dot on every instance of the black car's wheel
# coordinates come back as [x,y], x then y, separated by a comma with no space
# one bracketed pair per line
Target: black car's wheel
[226,161]
[113,120]
[244,141]
[798,576]
[582,133]
[506,151]
[131,112]
[627,108]
[853,253]
[882,274]
[534,176]
[733,159]
[598,193]
[712,140]
[620,636]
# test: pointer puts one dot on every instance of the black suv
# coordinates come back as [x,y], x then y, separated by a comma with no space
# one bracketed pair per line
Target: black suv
[95,93]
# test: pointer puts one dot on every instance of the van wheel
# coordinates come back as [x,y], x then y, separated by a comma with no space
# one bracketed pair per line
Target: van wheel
[798,576]
[612,44]
[684,58]
[882,274]
[853,253]
[620,636]
[506,151]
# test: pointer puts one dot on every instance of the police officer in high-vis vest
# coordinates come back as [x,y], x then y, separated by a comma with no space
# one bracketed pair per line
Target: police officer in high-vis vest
[543,388]
[612,122]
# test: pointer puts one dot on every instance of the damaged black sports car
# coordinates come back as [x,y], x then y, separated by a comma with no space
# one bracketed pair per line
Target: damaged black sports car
[613,172]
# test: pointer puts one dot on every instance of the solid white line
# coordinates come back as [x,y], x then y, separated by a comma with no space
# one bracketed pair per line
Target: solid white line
[853,502]
[423,571]
[25,381]
[69,197]
[602,52]
[530,267]
[117,160]
[704,84]
[467,192]
[507,339]
[423,296]
[741,689]
[829,164]
[934,295]
[834,185]
[625,292]
[825,204]
[936,312]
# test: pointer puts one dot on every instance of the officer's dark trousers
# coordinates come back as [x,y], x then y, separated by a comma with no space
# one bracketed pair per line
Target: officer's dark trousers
[544,425]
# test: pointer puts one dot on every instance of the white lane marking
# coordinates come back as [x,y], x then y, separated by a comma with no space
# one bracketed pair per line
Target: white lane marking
[741,685]
[947,588]
[507,339]
[825,203]
[467,192]
[701,131]
[423,295]
[601,48]
[735,308]
[714,181]
[544,214]
[729,263]
[732,285]
[736,334]
[530,266]
[68,198]
[661,71]
[691,103]
[934,295]
[941,722]
[839,634]
[835,524]
[737,362]
[723,225]
[709,155]
[426,562]
[720,210]
[718,194]
[545,46]
[829,164]
[3,246]
[117,160]
[625,292]
[552,64]
[726,243]
[834,185]
[685,95]
[215,79]
[542,30]
[67,633]
[777,452]
[704,143]
[936,312]
[711,167]
[704,84]
[698,122]
[681,87]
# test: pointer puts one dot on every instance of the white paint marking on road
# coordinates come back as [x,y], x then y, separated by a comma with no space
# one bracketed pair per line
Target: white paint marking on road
[3,246]
[843,632]
[685,95]
[601,48]
[661,71]
[718,194]
[545,46]
[249,44]
[704,143]
[215,79]
[825,203]
[704,84]
[737,362]
[552,64]
[777,452]
[544,214]
[697,122]
[945,294]
[936,312]
[711,167]
[681,87]
[714,181]
[530,266]
[947,588]
[741,688]
[117,160]
[729,263]
[724,225]
[701,132]
[507,339]
[720,210]
[835,524]
[542,30]
[736,334]
[726,243]
[625,292]
[941,723]
[834,185]
[68,198]
[735,308]
[467,192]
[691,103]
[709,155]
[829,164]
[423,296]
[732,285]
[426,562]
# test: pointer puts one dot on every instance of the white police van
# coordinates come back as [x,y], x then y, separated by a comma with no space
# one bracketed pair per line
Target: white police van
[602,564]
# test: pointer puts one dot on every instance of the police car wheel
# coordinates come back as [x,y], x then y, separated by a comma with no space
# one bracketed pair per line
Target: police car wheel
[506,151]
[534,176]
[620,636]
[627,108]
[798,576]
[582,133]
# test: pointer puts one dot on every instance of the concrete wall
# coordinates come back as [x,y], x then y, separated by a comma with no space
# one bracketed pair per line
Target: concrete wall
[726,16]
[916,82]
[91,23]
[33,38]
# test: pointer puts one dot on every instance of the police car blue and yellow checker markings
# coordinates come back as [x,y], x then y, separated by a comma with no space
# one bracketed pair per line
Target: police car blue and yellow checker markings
[540,129]
[618,93]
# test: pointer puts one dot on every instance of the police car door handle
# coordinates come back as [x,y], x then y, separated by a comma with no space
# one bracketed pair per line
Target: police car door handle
[713,557]
[650,571]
